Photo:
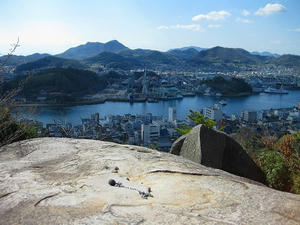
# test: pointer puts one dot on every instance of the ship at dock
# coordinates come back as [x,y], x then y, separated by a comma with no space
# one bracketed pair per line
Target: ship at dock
[277,90]
[222,102]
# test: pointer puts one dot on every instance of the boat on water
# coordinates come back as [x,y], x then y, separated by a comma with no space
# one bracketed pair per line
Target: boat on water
[222,102]
[271,90]
[152,100]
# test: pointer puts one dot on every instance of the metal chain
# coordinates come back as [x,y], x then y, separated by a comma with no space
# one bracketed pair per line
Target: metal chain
[143,194]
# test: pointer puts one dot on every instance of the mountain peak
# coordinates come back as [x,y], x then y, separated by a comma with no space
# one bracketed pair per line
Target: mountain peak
[116,44]
[91,49]
[113,41]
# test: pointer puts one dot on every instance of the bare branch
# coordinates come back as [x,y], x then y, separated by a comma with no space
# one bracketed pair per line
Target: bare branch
[11,51]
[10,128]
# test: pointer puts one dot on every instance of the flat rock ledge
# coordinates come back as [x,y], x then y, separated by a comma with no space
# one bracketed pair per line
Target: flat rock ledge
[77,181]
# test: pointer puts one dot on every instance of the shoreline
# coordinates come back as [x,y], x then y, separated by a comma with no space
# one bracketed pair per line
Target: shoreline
[102,101]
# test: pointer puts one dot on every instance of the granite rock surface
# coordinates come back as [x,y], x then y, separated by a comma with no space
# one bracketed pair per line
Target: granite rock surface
[217,150]
[77,181]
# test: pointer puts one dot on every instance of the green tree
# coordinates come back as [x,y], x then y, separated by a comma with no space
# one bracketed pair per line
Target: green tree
[197,118]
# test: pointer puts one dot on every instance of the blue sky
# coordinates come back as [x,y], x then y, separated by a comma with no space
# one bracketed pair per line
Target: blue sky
[52,26]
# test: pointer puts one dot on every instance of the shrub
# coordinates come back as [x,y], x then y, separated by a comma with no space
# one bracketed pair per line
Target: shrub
[12,130]
[275,168]
[269,141]
[295,183]
[285,145]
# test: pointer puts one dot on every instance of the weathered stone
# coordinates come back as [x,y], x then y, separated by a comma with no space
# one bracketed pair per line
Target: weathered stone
[216,149]
[69,181]
[176,146]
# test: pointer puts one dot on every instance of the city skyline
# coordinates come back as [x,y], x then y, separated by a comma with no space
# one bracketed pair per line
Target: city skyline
[54,26]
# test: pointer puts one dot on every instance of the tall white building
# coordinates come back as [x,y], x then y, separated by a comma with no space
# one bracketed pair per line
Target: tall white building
[172,114]
[149,133]
[213,113]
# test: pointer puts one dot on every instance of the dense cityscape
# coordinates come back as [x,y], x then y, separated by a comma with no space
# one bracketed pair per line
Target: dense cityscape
[154,131]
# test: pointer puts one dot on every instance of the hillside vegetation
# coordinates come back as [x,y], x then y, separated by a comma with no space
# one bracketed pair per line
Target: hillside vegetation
[279,158]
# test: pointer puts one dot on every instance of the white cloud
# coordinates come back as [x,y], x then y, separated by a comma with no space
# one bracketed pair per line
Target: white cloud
[270,9]
[163,27]
[246,12]
[214,26]
[214,15]
[193,27]
[239,20]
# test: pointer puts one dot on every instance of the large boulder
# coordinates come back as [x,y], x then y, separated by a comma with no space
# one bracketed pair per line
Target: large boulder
[216,149]
[71,181]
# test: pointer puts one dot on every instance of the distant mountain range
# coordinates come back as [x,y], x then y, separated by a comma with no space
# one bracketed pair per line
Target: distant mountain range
[115,55]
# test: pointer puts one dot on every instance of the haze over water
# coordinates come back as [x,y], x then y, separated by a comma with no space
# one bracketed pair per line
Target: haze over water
[235,105]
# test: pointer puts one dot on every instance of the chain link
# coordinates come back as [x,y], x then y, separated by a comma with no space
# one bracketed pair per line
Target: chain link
[143,194]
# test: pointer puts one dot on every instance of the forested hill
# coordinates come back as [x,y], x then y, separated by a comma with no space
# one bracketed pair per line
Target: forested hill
[228,87]
[60,80]
[49,62]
